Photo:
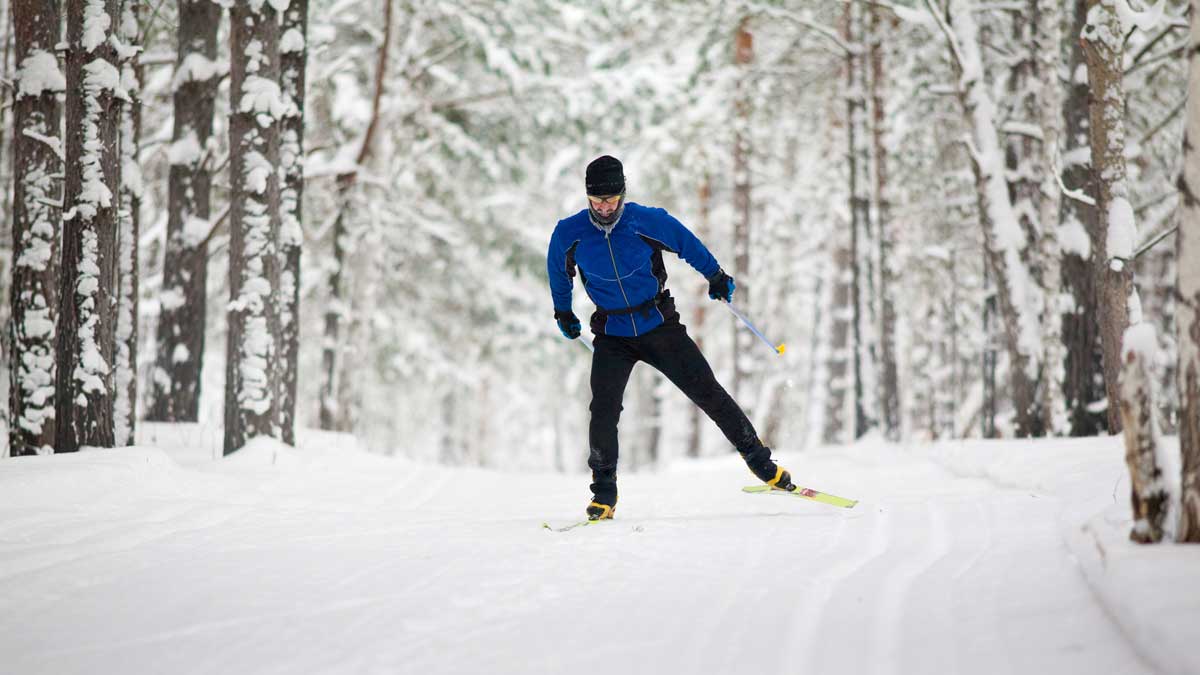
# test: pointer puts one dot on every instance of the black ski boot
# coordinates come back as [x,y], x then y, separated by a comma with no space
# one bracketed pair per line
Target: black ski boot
[604,499]
[766,470]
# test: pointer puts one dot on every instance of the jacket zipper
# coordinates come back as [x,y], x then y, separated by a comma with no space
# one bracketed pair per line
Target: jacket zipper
[632,319]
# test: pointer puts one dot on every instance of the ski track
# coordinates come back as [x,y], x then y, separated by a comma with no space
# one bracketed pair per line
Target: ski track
[410,570]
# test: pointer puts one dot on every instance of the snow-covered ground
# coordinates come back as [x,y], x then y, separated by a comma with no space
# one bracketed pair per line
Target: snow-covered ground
[996,557]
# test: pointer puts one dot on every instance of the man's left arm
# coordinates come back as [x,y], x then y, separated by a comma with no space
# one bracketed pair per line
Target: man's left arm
[685,244]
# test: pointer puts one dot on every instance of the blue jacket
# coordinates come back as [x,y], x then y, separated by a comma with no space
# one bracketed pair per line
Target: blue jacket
[623,270]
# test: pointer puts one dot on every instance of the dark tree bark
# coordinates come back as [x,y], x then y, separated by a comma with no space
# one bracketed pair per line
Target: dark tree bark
[35,223]
[181,326]
[1084,379]
[1187,326]
[87,316]
[889,380]
[252,376]
[293,59]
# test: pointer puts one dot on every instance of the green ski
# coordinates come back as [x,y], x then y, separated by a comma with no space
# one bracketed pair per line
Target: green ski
[805,493]
[582,523]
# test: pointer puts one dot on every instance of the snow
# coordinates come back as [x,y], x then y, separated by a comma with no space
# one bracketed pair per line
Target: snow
[262,96]
[980,557]
[1073,239]
[39,73]
[292,40]
[185,151]
[196,67]
[96,23]
[1122,233]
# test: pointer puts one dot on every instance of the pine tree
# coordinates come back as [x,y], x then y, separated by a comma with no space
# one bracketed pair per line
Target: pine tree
[293,54]
[180,335]
[251,386]
[87,316]
[37,191]
[128,235]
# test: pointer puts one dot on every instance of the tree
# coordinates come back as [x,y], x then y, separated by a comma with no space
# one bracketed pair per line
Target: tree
[251,385]
[85,346]
[37,193]
[128,236]
[179,356]
[1104,48]
[889,383]
[1187,252]
[331,414]
[743,59]
[293,51]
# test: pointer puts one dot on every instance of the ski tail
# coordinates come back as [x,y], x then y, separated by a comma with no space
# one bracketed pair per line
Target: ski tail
[805,493]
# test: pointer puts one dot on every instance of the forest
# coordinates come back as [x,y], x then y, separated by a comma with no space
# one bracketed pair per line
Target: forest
[967,219]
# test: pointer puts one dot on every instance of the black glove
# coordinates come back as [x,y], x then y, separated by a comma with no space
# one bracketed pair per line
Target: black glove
[721,286]
[568,323]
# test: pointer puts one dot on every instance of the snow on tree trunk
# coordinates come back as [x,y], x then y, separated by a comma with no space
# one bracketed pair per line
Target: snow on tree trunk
[1046,44]
[889,383]
[251,397]
[87,316]
[332,392]
[37,154]
[293,54]
[179,356]
[1187,325]
[1149,493]
[743,59]
[1018,296]
[1104,48]
[125,406]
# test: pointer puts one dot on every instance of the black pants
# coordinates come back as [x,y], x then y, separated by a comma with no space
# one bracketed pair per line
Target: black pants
[672,352]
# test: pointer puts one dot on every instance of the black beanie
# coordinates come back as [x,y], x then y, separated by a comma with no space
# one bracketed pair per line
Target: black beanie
[605,176]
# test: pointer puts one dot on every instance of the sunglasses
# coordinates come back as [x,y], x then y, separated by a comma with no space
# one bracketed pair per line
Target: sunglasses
[609,201]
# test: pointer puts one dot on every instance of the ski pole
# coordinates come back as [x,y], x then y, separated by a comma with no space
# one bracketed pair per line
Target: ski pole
[587,343]
[778,350]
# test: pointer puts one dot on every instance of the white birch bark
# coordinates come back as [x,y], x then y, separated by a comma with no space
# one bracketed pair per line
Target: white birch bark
[126,368]
[1187,325]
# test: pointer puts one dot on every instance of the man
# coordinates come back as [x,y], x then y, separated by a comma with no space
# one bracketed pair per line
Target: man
[617,249]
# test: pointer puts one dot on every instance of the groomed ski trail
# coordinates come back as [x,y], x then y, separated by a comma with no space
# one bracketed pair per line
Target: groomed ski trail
[319,562]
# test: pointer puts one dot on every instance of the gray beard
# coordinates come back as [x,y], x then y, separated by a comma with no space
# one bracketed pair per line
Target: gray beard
[607,229]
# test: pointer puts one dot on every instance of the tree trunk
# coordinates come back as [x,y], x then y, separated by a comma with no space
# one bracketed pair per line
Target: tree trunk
[1016,292]
[1104,49]
[182,320]
[251,399]
[331,394]
[1148,493]
[743,58]
[860,207]
[696,416]
[1046,49]
[1084,381]
[838,406]
[293,59]
[87,316]
[35,224]
[1187,325]
[889,383]
[125,407]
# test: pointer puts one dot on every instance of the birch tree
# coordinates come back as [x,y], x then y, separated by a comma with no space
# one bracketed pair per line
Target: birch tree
[179,356]
[87,317]
[1187,325]
[37,194]
[251,389]
[293,55]
[1018,297]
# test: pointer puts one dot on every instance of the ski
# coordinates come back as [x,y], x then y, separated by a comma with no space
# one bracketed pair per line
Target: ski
[806,493]
[582,523]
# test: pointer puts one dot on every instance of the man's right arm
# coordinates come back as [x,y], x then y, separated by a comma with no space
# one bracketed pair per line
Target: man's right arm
[560,277]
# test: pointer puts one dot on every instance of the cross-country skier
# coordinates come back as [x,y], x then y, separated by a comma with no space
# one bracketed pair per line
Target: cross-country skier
[617,248]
